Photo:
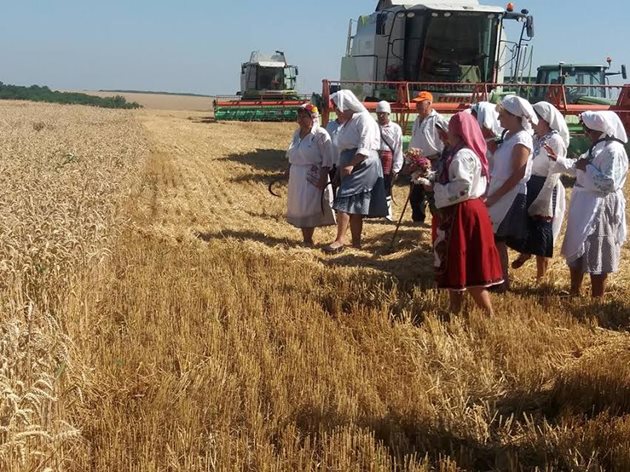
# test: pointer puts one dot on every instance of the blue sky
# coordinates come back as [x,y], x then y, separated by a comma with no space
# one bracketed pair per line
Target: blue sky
[198,45]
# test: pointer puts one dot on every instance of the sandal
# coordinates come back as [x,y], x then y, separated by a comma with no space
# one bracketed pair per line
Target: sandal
[520,260]
[330,249]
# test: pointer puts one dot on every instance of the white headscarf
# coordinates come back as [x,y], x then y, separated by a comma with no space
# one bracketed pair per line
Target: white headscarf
[487,117]
[607,122]
[383,107]
[346,100]
[556,121]
[520,107]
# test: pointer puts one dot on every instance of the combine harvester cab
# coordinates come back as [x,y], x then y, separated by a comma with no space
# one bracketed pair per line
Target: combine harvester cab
[267,91]
[456,49]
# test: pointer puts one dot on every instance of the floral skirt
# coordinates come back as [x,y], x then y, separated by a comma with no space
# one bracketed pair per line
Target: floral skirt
[464,249]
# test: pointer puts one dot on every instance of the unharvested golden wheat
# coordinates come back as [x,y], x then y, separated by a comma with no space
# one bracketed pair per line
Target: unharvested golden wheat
[64,171]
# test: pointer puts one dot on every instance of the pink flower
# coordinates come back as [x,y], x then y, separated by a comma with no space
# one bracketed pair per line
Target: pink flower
[418,164]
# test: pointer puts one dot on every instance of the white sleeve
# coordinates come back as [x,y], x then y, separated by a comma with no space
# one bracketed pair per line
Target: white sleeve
[564,166]
[414,134]
[609,176]
[461,173]
[525,139]
[398,150]
[326,148]
[435,136]
[366,128]
[290,148]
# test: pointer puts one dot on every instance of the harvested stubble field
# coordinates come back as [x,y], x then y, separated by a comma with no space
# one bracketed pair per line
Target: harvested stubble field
[159,314]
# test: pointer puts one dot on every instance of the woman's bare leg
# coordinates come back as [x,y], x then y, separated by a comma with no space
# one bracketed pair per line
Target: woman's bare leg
[356,227]
[343,219]
[456,298]
[598,285]
[576,281]
[542,263]
[307,235]
[503,254]
[481,296]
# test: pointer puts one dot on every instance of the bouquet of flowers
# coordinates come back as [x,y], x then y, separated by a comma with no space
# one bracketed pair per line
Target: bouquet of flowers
[419,167]
[422,174]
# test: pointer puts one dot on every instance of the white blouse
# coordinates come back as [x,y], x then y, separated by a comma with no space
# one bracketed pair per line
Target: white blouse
[360,132]
[392,134]
[542,164]
[333,128]
[502,169]
[424,135]
[316,148]
[606,173]
[465,181]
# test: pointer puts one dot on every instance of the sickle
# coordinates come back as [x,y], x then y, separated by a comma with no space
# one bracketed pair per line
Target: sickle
[270,187]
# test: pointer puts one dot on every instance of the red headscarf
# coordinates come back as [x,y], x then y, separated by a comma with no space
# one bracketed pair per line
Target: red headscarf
[466,127]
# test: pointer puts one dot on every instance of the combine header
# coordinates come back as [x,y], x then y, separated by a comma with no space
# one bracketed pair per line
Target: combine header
[267,91]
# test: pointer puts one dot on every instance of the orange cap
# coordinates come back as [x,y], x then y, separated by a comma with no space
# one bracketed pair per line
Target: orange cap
[422,96]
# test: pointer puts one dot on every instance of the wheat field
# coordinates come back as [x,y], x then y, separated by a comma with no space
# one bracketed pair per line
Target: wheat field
[158,314]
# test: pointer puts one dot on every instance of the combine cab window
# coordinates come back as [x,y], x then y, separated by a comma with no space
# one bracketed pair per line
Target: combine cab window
[270,78]
[583,77]
[457,47]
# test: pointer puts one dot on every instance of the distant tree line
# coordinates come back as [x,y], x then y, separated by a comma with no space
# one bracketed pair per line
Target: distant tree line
[37,93]
[153,92]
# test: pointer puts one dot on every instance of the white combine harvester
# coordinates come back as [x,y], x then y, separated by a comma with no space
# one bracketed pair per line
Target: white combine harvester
[433,41]
[267,91]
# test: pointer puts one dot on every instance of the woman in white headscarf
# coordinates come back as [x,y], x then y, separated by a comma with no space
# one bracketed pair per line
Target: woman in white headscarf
[488,119]
[596,224]
[507,192]
[310,155]
[545,192]
[362,190]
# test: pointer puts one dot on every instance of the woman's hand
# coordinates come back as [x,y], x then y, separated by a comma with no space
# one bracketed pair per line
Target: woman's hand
[550,152]
[346,171]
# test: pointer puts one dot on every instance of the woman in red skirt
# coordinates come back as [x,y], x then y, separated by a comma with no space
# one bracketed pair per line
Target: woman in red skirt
[466,257]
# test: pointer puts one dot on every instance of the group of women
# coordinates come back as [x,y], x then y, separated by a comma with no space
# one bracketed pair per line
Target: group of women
[312,153]
[497,185]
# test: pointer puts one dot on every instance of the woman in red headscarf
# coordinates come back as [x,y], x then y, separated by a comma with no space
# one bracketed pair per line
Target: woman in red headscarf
[466,257]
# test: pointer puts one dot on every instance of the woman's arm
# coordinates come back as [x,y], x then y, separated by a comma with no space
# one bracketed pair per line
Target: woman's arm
[461,173]
[520,156]
[611,173]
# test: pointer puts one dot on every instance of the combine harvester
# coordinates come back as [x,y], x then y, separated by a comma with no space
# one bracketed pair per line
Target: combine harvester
[458,50]
[267,91]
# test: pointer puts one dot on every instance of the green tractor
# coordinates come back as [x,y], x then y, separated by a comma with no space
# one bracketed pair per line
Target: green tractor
[576,79]
[585,84]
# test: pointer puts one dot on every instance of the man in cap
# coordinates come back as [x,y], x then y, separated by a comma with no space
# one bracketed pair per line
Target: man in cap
[424,136]
[390,151]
